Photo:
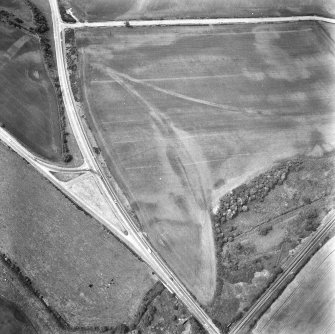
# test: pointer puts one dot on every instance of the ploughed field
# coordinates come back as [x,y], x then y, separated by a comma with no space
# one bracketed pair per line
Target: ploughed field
[100,10]
[185,114]
[27,97]
[307,305]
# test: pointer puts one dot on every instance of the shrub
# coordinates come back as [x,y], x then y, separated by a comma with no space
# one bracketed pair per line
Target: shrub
[265,230]
[127,24]
[65,16]
[67,158]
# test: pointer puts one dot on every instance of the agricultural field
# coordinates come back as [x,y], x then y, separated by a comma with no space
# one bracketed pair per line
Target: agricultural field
[82,271]
[102,10]
[307,305]
[29,105]
[183,115]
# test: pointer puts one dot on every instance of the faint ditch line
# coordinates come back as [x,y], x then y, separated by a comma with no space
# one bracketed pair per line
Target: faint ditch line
[180,96]
[174,78]
[181,137]
[288,213]
[198,162]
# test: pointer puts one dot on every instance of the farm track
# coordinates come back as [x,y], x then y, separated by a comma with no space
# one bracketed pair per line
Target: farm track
[278,219]
[198,22]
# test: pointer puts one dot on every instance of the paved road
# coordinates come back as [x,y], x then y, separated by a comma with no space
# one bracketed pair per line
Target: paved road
[12,142]
[197,22]
[305,250]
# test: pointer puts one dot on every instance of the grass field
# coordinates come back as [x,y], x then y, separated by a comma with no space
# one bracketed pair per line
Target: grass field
[307,305]
[29,105]
[184,115]
[13,320]
[84,273]
[101,10]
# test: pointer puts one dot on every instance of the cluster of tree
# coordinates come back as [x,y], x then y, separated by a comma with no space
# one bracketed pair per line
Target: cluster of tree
[72,59]
[97,150]
[238,200]
[146,311]
[264,230]
[39,18]
[67,157]
[47,52]
[65,16]
[147,317]
[10,19]
[307,221]
[120,329]
[196,327]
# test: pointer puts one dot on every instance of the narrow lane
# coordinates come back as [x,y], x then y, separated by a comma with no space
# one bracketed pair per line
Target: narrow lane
[198,22]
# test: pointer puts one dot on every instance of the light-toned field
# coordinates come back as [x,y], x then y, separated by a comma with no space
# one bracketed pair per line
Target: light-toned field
[185,114]
[28,102]
[100,10]
[84,273]
[307,306]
